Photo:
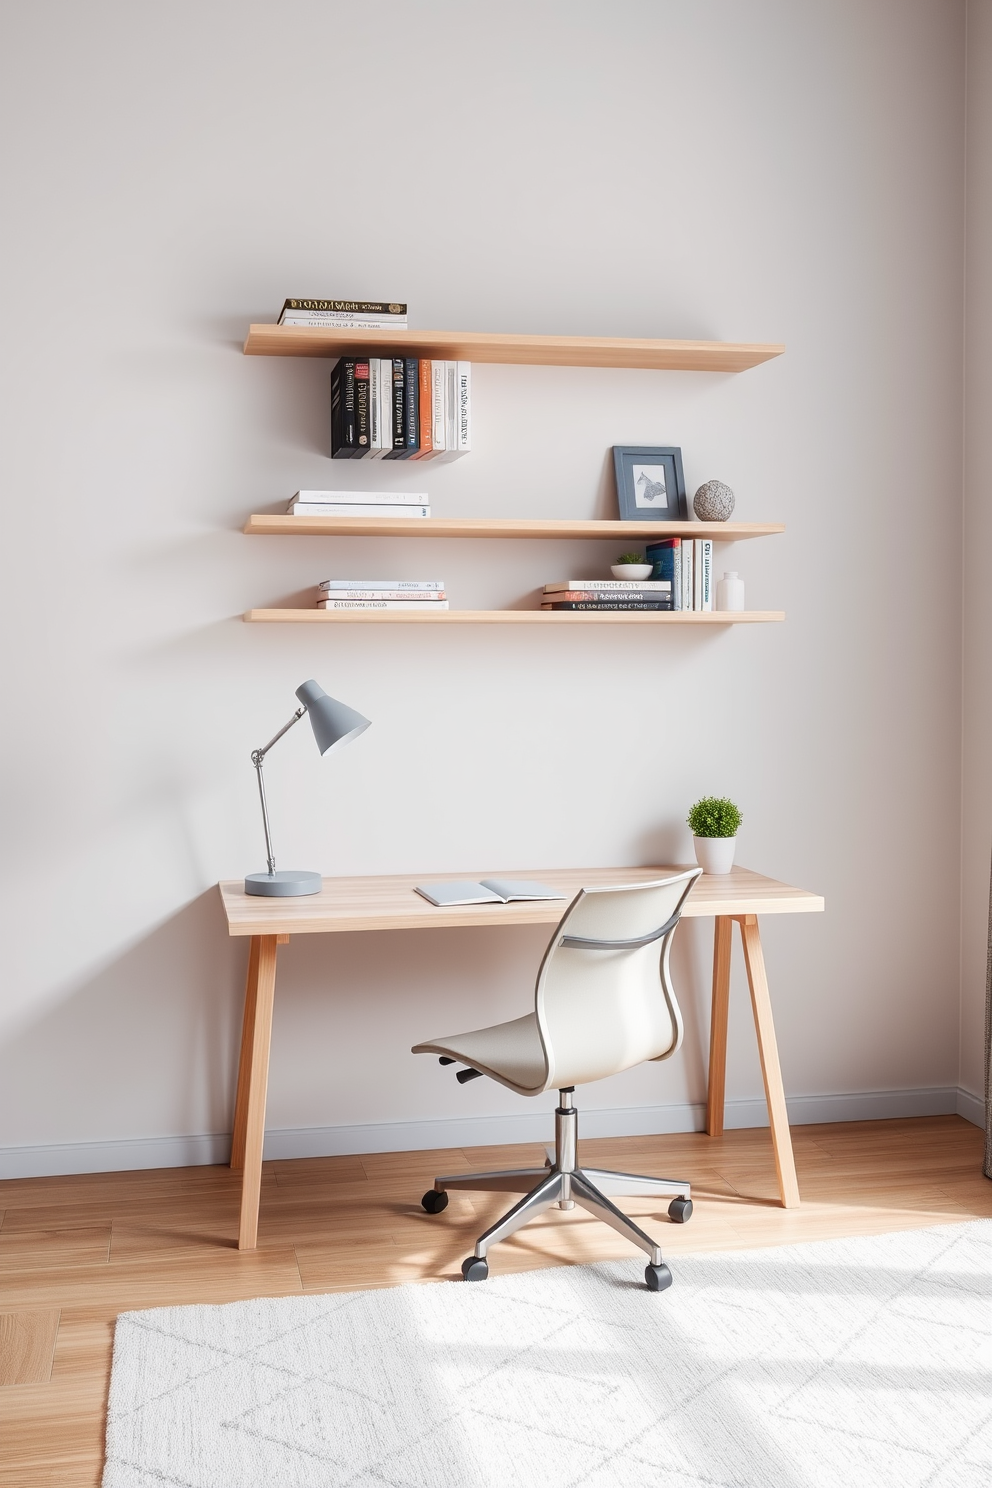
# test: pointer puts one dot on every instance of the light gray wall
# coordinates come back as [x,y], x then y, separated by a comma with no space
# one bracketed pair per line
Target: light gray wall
[763,172]
[977,618]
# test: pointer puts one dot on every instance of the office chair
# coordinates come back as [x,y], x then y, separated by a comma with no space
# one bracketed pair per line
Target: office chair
[603,1003]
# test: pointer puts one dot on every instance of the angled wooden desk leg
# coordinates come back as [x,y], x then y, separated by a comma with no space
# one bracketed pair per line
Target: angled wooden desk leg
[717,1086]
[244,1063]
[771,1070]
[253,1080]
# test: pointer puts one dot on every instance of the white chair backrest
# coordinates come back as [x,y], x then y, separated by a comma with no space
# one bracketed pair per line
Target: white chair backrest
[602,1010]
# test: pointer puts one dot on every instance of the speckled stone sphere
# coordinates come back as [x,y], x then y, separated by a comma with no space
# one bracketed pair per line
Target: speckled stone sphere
[713,502]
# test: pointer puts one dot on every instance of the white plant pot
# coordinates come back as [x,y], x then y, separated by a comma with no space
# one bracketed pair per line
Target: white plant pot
[715,854]
[632,571]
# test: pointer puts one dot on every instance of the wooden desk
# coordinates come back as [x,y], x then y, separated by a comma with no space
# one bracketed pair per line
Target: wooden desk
[389,903]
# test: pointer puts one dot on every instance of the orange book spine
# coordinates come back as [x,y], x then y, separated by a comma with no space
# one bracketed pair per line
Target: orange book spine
[426,450]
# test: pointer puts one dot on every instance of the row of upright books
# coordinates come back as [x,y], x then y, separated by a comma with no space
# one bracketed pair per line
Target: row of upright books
[400,408]
[382,594]
[687,564]
[345,315]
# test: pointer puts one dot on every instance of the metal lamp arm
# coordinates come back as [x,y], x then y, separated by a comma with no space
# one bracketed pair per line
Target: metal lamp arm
[258,759]
[259,754]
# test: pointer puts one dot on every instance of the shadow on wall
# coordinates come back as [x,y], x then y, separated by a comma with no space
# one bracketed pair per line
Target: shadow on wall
[147,1045]
[140,1062]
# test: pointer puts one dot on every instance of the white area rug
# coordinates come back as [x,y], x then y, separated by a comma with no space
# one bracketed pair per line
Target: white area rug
[844,1364]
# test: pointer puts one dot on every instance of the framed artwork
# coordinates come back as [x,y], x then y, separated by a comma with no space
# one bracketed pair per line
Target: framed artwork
[650,483]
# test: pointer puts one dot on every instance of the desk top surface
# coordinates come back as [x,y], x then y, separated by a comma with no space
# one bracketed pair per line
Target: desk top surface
[390,903]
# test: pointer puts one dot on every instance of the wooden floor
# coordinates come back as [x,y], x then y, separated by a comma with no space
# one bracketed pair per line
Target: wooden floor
[76,1251]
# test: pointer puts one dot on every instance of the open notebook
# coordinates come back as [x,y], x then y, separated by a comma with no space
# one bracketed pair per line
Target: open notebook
[488,891]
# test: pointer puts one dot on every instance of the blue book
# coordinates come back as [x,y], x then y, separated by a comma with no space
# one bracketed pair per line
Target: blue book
[666,560]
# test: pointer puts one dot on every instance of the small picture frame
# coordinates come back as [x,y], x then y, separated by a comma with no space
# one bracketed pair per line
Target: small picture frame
[650,483]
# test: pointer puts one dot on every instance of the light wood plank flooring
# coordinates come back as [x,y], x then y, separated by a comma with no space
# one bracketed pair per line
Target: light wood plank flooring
[76,1251]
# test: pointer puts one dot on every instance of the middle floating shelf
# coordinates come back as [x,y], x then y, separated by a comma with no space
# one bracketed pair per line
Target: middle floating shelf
[283,525]
[511,617]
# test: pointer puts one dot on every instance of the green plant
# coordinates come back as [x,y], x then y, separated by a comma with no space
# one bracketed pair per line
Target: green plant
[714,816]
[630,558]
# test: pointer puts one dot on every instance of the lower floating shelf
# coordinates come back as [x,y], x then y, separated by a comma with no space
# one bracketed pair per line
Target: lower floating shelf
[511,617]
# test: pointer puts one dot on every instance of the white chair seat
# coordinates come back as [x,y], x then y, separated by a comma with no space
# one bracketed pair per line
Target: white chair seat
[511,1053]
[603,1003]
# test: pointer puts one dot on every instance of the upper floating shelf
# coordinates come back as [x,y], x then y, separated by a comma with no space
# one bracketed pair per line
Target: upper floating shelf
[542,351]
[284,525]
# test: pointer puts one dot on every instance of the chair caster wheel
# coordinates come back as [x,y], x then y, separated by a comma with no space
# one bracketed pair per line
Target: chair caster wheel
[680,1210]
[434,1202]
[658,1278]
[474,1269]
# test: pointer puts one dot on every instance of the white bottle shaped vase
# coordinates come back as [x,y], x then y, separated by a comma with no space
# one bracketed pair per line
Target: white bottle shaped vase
[730,592]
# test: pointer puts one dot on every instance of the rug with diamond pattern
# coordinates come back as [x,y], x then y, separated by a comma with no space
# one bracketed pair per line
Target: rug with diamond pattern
[842,1364]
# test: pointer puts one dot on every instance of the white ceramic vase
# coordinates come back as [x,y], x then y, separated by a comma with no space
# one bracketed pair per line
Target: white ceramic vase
[715,854]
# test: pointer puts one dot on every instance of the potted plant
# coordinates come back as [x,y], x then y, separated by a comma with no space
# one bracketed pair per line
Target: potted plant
[714,822]
[631,566]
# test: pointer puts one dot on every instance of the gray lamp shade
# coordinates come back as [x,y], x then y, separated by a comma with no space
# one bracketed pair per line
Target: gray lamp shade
[332,722]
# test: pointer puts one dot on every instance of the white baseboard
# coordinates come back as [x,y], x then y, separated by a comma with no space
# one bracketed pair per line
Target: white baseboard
[477,1131]
[971,1107]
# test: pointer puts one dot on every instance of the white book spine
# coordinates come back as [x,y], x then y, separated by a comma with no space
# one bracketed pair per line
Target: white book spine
[375,430]
[609,586]
[697,570]
[463,433]
[706,577]
[385,513]
[450,409]
[420,595]
[364,498]
[386,403]
[332,319]
[382,604]
[688,568]
[439,433]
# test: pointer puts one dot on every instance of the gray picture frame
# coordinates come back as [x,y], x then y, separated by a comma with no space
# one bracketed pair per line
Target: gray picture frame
[634,507]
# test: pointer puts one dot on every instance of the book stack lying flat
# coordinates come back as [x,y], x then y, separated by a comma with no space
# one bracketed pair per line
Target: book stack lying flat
[344,315]
[382,594]
[360,504]
[687,564]
[400,408]
[607,594]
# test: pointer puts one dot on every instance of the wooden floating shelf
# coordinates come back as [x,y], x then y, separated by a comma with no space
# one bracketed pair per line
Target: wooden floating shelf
[541,351]
[511,617]
[290,526]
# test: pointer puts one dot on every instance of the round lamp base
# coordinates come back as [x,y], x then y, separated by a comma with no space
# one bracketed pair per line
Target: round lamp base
[286,884]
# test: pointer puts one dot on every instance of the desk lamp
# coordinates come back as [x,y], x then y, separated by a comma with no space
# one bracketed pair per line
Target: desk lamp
[333,723]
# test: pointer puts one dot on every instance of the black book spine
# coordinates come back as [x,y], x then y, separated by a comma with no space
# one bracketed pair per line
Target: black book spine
[363,410]
[411,407]
[614,604]
[346,420]
[399,387]
[381,308]
[336,411]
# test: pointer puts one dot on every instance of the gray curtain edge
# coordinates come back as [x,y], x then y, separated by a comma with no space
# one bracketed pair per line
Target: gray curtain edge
[987,1167]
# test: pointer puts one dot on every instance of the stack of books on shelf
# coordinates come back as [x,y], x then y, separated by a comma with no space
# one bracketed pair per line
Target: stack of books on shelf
[382,594]
[345,315]
[608,594]
[360,504]
[687,563]
[400,408]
